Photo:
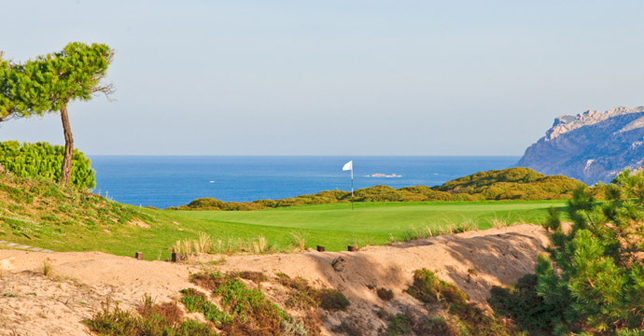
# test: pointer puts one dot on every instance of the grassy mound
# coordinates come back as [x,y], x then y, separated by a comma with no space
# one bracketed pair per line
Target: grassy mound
[39,209]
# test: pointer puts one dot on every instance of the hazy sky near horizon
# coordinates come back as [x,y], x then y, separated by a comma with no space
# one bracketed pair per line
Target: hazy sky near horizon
[350,77]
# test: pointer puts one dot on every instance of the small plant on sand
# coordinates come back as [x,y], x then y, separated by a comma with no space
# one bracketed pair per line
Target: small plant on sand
[385,294]
[429,289]
[46,267]
[218,262]
[332,299]
[293,327]
[256,277]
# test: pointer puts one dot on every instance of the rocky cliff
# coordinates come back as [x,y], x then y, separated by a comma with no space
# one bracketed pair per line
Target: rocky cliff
[592,146]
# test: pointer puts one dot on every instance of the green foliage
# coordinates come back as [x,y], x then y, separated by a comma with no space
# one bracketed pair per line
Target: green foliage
[332,299]
[44,160]
[523,304]
[196,301]
[154,320]
[48,83]
[429,289]
[593,280]
[406,323]
[508,184]
[553,221]
[400,324]
[244,311]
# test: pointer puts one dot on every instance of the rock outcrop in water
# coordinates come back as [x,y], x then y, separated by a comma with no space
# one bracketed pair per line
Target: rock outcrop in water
[592,146]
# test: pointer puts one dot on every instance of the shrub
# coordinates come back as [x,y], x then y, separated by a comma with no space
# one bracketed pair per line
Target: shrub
[477,322]
[522,303]
[154,319]
[400,324]
[44,160]
[385,294]
[251,312]
[428,289]
[256,277]
[331,299]
[195,301]
[208,281]
[406,324]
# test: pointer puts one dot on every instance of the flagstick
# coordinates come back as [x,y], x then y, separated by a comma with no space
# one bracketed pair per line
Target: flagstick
[352,187]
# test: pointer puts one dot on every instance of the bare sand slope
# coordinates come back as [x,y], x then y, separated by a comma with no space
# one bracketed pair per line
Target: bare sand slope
[32,304]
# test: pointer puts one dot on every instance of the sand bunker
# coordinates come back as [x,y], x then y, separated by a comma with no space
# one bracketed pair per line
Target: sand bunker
[34,304]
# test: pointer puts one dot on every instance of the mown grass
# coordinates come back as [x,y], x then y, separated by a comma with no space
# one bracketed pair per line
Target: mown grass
[335,225]
[39,213]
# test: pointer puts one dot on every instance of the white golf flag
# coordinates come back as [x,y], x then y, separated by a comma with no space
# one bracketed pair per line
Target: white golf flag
[348,165]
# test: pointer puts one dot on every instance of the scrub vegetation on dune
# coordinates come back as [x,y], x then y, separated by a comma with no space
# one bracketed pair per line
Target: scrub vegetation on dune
[507,184]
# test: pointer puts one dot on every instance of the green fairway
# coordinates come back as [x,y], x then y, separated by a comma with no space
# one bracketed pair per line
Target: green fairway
[336,225]
[73,220]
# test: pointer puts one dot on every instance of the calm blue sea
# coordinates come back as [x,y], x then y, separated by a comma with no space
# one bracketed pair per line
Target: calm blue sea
[163,181]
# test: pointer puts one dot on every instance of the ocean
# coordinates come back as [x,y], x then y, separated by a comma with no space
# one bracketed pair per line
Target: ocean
[164,181]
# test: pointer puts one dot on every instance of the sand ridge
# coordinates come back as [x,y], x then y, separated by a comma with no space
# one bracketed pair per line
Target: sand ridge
[32,304]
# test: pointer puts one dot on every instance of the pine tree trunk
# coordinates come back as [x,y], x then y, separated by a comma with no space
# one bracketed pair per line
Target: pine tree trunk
[66,172]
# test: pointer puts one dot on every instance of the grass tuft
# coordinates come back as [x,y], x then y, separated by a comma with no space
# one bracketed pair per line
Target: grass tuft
[46,267]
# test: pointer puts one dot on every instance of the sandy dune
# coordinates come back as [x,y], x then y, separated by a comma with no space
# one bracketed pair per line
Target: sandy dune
[33,304]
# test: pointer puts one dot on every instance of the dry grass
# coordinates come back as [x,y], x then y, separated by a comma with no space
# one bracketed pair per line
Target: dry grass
[467,225]
[298,240]
[204,243]
[498,223]
[259,246]
[47,268]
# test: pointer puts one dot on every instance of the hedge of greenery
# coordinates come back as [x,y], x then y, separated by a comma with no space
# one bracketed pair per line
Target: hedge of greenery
[44,160]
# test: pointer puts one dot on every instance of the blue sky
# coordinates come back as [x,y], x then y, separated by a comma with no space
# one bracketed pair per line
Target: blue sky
[333,77]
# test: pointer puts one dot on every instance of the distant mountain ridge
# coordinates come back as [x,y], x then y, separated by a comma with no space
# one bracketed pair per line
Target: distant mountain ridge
[592,146]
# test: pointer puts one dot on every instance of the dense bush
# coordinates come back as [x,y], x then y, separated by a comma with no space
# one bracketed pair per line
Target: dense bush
[508,184]
[44,160]
[593,280]
[472,319]
[522,303]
